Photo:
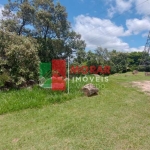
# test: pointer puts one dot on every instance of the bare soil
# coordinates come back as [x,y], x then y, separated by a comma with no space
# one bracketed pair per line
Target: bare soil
[143,85]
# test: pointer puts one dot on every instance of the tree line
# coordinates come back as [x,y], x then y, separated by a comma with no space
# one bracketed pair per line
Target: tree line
[119,61]
[45,21]
[34,31]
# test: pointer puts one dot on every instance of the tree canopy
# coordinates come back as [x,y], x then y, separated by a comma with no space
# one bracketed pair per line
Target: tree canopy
[47,22]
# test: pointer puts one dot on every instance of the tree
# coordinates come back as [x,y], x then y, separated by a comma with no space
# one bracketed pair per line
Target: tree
[118,61]
[54,31]
[102,56]
[91,59]
[45,21]
[139,60]
[18,15]
[80,56]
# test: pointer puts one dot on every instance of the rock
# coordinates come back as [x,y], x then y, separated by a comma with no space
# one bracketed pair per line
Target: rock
[90,90]
[135,72]
[147,73]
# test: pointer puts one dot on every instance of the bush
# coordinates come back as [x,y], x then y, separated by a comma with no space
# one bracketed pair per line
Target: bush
[145,68]
[4,77]
[19,57]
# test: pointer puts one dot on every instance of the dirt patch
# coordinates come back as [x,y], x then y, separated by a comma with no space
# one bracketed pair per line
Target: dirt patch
[143,85]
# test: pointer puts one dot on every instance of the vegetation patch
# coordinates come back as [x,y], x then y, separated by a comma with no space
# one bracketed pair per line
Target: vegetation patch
[117,118]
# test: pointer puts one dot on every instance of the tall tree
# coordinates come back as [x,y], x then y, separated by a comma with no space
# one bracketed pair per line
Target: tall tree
[138,60]
[102,56]
[80,56]
[54,31]
[118,61]
[91,58]
[18,15]
[47,22]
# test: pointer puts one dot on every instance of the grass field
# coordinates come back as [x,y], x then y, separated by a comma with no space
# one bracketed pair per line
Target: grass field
[117,119]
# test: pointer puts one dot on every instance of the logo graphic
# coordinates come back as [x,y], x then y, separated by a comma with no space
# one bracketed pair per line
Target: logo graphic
[58,74]
[91,70]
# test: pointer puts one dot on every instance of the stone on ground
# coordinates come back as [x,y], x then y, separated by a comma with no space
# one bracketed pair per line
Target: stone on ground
[90,90]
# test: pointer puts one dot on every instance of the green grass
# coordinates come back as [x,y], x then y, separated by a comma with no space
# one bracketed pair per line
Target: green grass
[37,97]
[31,98]
[117,119]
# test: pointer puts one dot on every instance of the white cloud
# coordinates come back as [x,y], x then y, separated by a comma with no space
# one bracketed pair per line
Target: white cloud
[143,7]
[139,49]
[120,7]
[111,11]
[101,32]
[136,26]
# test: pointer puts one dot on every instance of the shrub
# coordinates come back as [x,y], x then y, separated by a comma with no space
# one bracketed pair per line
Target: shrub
[4,77]
[19,57]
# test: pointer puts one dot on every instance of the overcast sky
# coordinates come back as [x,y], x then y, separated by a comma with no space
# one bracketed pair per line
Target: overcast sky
[114,24]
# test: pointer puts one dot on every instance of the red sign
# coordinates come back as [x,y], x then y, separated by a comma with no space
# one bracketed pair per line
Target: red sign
[92,70]
[58,74]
